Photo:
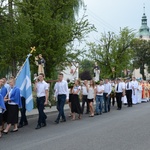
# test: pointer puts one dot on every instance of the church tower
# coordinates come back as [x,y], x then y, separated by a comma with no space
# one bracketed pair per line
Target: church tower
[143,34]
[144,31]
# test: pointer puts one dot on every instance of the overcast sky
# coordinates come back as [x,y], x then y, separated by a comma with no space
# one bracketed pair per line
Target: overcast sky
[111,15]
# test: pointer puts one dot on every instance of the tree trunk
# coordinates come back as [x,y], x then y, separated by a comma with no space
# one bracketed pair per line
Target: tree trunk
[142,72]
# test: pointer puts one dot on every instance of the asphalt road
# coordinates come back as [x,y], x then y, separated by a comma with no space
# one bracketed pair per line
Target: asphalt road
[128,129]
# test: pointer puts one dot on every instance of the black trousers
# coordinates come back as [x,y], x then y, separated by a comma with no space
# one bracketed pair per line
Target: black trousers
[106,102]
[113,100]
[118,98]
[129,97]
[85,100]
[40,106]
[23,119]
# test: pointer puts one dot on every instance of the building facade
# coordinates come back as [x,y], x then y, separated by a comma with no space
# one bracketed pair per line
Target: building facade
[143,34]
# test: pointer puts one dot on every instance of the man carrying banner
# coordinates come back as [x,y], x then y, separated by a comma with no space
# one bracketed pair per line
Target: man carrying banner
[41,88]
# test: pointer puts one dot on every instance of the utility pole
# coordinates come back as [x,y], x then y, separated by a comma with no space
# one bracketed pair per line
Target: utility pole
[11,27]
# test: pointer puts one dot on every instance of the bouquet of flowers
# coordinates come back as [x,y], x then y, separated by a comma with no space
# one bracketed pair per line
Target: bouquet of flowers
[70,85]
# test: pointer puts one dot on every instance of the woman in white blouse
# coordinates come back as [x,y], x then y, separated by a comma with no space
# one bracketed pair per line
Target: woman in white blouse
[91,97]
[75,102]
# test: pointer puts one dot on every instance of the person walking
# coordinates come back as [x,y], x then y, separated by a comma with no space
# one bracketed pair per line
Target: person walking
[120,91]
[23,119]
[14,103]
[99,98]
[75,103]
[134,91]
[2,109]
[41,88]
[129,92]
[84,93]
[62,95]
[91,97]
[107,92]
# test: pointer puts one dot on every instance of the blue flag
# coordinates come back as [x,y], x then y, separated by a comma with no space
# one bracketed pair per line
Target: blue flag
[23,82]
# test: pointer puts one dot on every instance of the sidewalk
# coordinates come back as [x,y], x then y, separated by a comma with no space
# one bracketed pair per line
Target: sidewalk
[47,110]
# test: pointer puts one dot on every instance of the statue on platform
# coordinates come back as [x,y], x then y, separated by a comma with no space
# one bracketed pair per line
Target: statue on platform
[40,62]
[96,72]
[74,71]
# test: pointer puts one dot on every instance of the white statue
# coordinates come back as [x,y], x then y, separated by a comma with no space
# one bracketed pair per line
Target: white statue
[74,71]
[96,72]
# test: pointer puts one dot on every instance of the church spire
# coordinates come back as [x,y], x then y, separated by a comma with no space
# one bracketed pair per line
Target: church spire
[144,31]
[144,18]
[144,8]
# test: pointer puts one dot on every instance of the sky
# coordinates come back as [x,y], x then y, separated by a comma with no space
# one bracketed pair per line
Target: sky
[111,15]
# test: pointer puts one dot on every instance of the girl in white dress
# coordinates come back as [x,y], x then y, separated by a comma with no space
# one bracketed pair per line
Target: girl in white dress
[91,97]
[75,101]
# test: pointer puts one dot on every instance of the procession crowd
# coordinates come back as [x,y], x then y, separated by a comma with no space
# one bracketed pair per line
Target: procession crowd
[104,94]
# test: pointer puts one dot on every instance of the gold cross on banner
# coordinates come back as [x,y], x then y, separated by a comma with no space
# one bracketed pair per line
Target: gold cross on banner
[32,50]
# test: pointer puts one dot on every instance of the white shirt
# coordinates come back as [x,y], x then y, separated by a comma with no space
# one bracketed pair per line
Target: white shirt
[62,88]
[121,87]
[91,93]
[100,88]
[7,86]
[1,110]
[135,84]
[41,88]
[76,88]
[84,90]
[107,88]
[129,86]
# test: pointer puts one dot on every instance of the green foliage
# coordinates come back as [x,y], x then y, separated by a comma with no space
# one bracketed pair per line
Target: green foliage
[113,53]
[87,65]
[49,25]
[141,54]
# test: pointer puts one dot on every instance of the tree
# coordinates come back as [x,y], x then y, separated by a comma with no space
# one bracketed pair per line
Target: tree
[113,52]
[15,38]
[49,25]
[85,75]
[86,69]
[141,55]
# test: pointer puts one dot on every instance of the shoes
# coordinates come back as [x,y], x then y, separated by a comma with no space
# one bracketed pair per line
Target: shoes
[38,127]
[25,124]
[43,124]
[118,108]
[91,116]
[56,121]
[69,115]
[45,117]
[105,112]
[14,130]
[87,113]
[63,120]
[5,132]
[96,114]
[20,126]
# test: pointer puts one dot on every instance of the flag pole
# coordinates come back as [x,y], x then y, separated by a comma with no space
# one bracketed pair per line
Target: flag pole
[30,54]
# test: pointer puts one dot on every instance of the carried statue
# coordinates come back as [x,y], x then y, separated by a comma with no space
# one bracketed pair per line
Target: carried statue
[96,72]
[40,62]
